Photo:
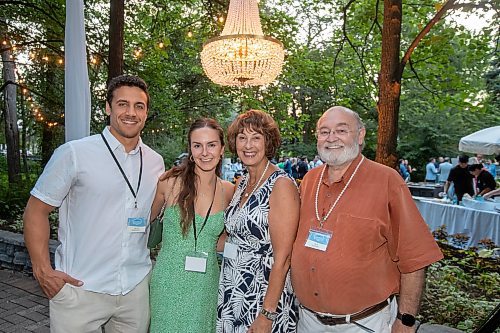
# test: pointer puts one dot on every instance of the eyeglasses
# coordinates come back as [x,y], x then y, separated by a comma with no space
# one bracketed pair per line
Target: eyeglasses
[324,133]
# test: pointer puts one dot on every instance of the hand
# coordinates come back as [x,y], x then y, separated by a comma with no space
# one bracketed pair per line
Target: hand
[261,325]
[398,327]
[52,281]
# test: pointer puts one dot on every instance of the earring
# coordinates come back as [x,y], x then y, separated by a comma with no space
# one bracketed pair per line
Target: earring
[191,158]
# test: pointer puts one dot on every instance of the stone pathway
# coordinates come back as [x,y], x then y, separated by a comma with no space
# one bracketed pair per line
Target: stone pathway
[23,307]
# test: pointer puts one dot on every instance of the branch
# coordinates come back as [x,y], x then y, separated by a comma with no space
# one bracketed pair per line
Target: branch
[472,7]
[360,103]
[44,42]
[447,6]
[335,66]
[6,83]
[419,80]
[30,5]
[344,31]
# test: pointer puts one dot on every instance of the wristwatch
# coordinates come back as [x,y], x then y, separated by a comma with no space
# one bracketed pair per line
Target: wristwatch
[268,314]
[407,319]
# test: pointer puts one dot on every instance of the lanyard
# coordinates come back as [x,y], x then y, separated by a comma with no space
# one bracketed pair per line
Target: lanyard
[204,222]
[123,173]
[325,217]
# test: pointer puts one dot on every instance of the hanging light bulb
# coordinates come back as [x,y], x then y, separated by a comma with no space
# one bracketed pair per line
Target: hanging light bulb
[242,55]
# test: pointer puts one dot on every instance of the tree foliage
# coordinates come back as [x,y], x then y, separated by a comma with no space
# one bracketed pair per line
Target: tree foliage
[449,85]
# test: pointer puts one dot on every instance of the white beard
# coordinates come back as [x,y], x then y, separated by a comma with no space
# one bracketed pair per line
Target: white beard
[333,157]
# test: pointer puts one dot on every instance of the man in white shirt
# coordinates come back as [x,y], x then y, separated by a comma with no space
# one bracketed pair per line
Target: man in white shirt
[104,186]
[317,161]
[444,170]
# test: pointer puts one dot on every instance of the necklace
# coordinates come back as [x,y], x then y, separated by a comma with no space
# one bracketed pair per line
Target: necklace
[324,218]
[246,195]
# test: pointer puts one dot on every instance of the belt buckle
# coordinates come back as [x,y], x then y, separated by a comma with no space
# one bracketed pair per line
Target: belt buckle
[330,321]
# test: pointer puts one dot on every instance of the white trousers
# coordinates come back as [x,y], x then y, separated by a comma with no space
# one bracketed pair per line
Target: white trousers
[76,310]
[379,322]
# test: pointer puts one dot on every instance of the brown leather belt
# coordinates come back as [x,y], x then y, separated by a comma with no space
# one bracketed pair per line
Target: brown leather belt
[331,321]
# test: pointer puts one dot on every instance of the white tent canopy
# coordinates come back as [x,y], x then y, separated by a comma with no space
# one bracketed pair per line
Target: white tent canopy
[485,141]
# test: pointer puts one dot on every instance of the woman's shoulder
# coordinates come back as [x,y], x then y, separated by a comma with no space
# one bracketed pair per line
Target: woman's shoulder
[170,185]
[280,178]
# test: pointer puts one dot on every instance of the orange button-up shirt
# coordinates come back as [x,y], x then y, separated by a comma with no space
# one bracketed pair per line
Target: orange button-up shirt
[377,234]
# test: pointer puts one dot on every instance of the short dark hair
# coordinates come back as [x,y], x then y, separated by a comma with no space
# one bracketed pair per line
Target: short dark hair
[463,159]
[475,167]
[260,122]
[128,81]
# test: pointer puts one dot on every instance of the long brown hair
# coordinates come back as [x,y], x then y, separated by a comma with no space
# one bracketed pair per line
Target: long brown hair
[188,178]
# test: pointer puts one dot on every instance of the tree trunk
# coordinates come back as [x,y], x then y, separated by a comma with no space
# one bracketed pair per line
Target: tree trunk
[11,129]
[389,85]
[24,145]
[49,143]
[116,24]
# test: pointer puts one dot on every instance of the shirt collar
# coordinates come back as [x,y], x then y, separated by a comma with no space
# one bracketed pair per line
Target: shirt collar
[346,174]
[114,144]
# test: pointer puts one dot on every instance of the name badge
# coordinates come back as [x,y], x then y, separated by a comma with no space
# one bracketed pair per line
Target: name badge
[318,239]
[230,250]
[136,224]
[196,262]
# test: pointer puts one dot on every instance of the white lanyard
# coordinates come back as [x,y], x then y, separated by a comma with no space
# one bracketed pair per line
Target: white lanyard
[324,218]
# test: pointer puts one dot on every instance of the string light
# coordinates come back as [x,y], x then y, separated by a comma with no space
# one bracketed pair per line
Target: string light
[60,61]
[137,53]
[161,45]
[190,34]
[221,19]
[4,42]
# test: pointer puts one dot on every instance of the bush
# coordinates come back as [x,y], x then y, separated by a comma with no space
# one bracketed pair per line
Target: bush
[462,289]
[13,197]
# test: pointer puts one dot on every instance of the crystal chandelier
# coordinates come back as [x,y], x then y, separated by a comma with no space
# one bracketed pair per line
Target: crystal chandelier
[242,55]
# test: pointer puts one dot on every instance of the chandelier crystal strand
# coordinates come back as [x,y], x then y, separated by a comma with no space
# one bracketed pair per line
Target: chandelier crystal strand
[242,55]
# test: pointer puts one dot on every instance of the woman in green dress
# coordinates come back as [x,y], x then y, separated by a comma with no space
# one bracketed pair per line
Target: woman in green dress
[184,282]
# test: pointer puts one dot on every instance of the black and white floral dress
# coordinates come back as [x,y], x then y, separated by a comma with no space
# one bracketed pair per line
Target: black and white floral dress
[244,280]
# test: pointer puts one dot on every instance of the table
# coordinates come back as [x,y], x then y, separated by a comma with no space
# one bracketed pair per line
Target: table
[477,224]
[425,189]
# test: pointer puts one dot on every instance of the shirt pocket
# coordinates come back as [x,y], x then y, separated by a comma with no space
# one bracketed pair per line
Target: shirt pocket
[358,237]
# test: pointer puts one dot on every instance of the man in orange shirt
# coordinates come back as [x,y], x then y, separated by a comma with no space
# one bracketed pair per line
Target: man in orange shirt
[359,258]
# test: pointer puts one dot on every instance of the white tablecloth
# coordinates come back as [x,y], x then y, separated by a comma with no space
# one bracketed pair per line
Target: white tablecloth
[477,224]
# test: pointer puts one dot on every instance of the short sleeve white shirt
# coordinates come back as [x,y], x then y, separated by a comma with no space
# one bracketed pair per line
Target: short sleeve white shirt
[95,202]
